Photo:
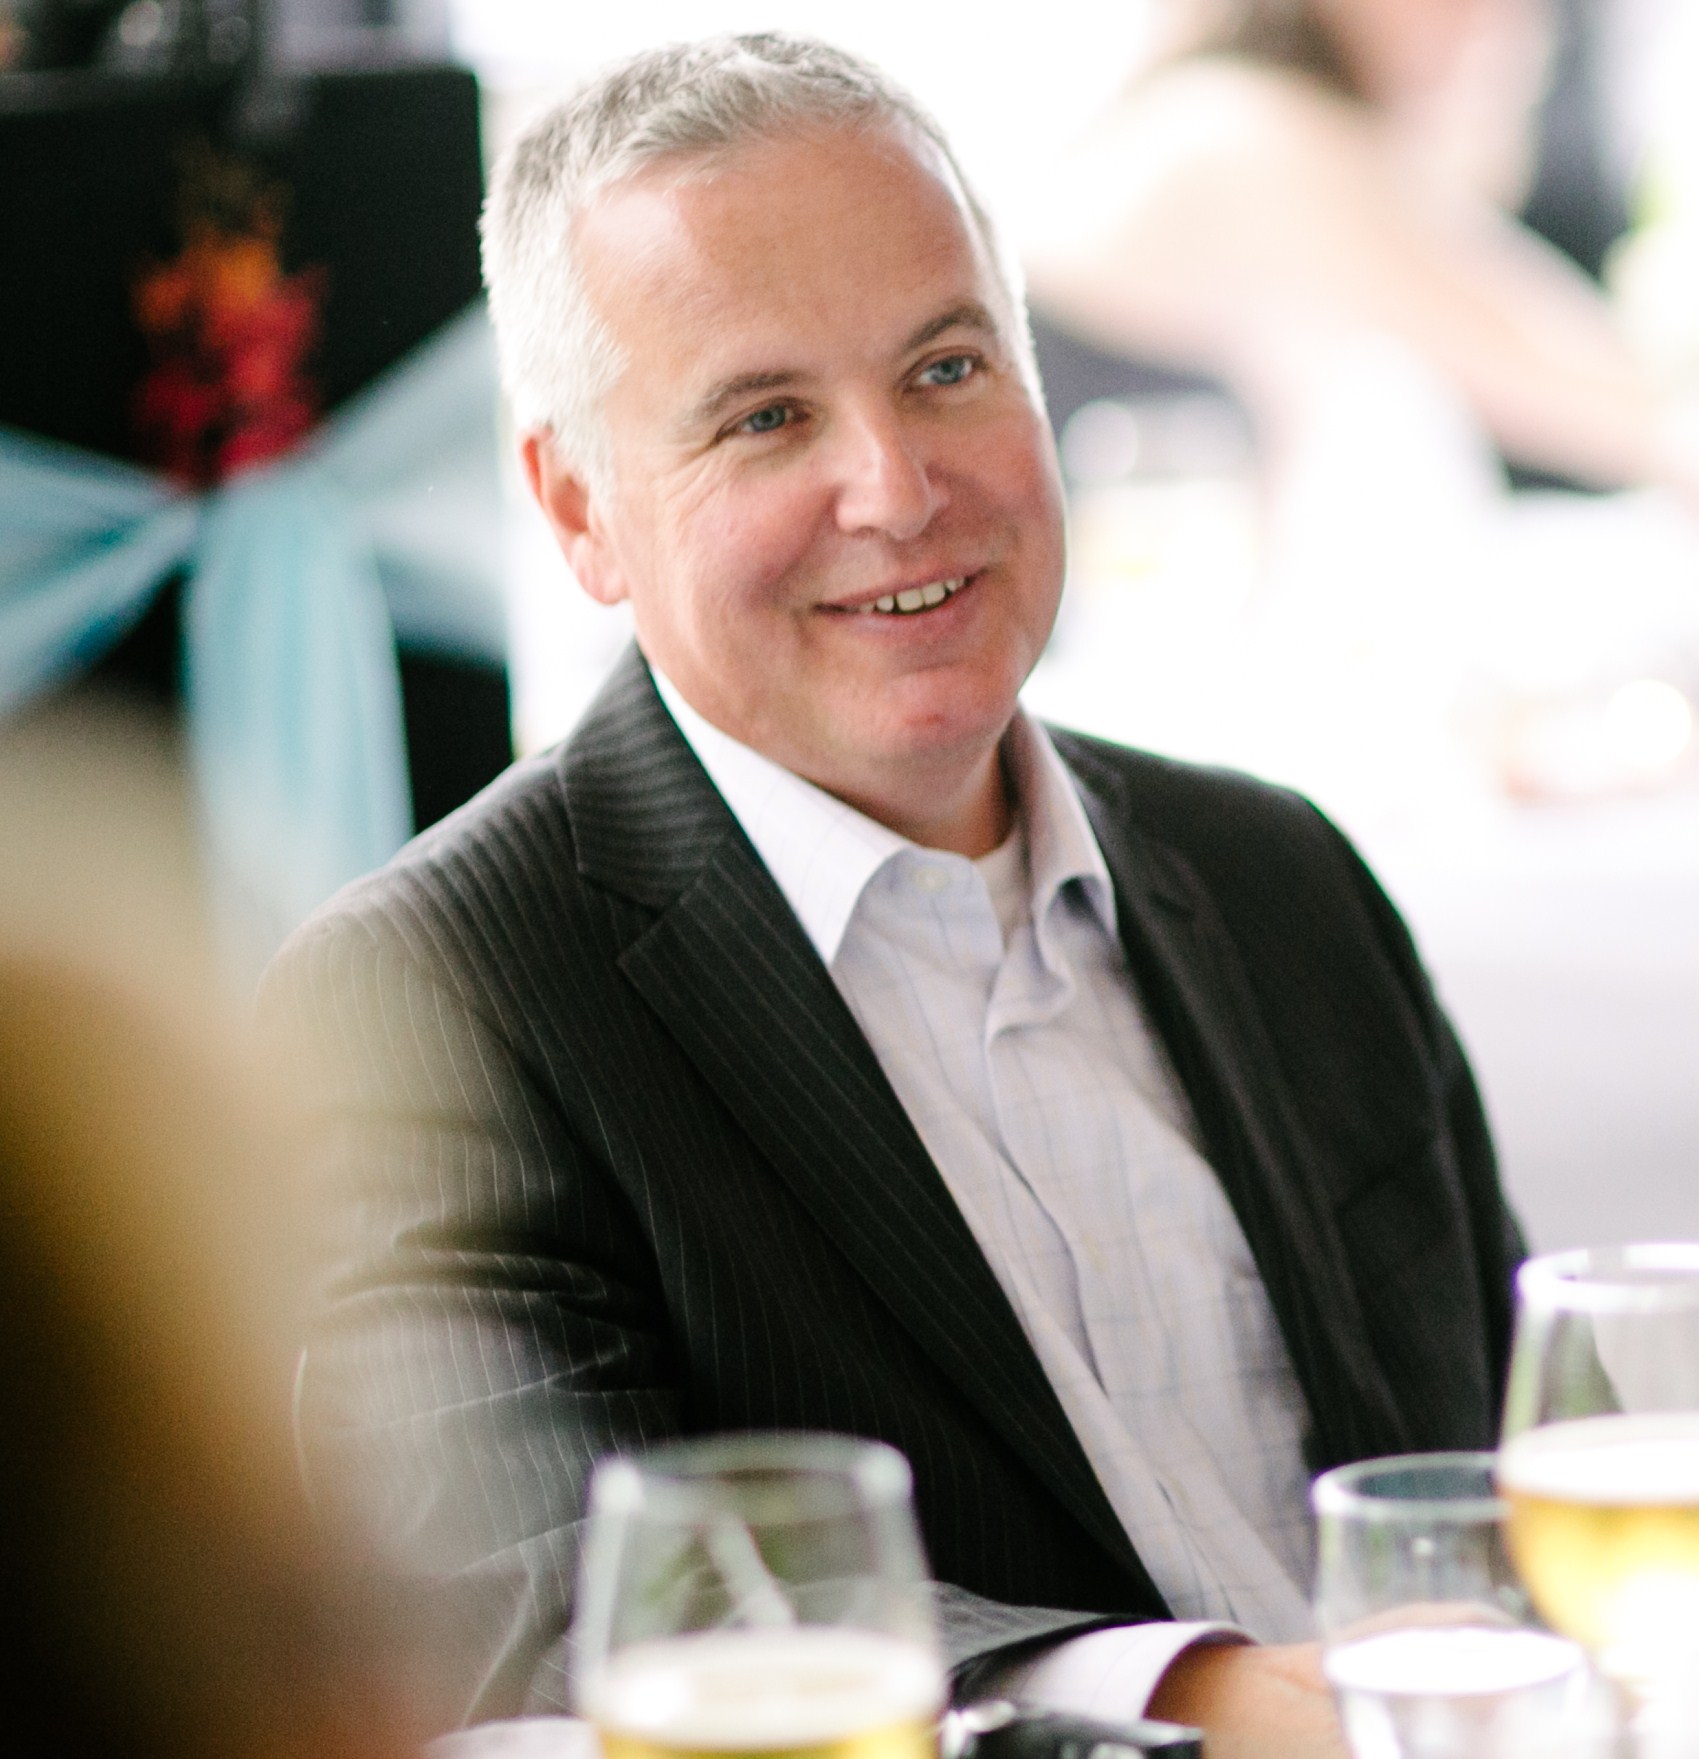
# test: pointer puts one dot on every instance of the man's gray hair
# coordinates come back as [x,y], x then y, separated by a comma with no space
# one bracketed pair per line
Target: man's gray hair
[685,101]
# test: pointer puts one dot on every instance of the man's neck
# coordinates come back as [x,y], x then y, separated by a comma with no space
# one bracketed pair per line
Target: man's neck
[976,820]
[937,804]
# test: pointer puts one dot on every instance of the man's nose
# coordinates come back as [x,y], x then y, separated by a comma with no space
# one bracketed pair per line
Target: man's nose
[885,484]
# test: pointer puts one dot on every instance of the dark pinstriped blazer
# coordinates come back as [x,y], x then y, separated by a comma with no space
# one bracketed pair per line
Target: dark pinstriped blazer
[610,1160]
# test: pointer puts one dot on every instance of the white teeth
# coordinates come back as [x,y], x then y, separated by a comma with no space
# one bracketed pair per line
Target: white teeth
[917,598]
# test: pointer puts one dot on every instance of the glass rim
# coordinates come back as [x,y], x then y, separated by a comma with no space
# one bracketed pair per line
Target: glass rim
[1612,1279]
[691,1478]
[1339,1492]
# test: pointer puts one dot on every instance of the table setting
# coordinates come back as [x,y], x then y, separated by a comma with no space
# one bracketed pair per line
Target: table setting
[767,1594]
[1543,1599]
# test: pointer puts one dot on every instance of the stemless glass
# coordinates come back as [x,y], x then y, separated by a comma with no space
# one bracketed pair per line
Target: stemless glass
[1428,1640]
[757,1594]
[1600,1465]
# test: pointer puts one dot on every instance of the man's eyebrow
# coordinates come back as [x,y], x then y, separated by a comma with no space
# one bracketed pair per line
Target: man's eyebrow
[969,315]
[729,391]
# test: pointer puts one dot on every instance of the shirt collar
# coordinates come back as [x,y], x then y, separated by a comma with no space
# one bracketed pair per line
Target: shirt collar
[1061,845]
[822,853]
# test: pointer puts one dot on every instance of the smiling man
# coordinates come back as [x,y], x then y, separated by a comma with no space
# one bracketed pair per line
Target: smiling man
[813,1041]
[830,494]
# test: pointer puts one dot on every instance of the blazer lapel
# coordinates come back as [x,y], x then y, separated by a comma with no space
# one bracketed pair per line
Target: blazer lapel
[1200,1003]
[730,971]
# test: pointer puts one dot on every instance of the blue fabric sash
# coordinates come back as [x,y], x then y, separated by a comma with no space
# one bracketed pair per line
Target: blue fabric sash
[302,575]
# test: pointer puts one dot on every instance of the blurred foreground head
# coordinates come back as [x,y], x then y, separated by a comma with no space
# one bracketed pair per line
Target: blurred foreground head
[167,1591]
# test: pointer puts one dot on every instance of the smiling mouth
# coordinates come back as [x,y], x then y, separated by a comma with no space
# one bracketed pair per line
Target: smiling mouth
[912,599]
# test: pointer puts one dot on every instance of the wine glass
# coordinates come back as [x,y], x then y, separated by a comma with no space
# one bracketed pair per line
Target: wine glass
[757,1594]
[1600,1467]
[1427,1637]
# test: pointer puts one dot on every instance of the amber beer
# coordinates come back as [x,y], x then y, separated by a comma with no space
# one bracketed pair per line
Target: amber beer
[1604,1530]
[801,1692]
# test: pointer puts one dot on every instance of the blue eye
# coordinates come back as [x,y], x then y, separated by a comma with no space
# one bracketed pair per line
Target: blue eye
[768,420]
[951,370]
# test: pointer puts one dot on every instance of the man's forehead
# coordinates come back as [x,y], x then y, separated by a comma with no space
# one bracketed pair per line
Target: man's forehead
[784,261]
[629,235]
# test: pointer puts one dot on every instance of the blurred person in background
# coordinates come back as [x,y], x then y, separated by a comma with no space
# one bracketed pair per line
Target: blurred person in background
[1294,190]
[169,1593]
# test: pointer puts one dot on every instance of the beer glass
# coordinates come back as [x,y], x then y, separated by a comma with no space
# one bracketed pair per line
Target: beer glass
[757,1594]
[1600,1466]
[1427,1637]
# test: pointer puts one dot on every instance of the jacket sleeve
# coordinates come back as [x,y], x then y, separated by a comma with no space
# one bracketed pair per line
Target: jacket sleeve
[486,1328]
[490,1323]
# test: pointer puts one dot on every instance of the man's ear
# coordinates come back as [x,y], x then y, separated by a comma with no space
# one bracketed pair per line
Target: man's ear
[573,510]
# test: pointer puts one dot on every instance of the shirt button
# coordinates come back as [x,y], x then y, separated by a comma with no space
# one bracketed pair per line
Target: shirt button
[931,879]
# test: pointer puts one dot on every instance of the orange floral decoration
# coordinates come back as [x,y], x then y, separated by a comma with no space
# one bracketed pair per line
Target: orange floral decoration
[229,333]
